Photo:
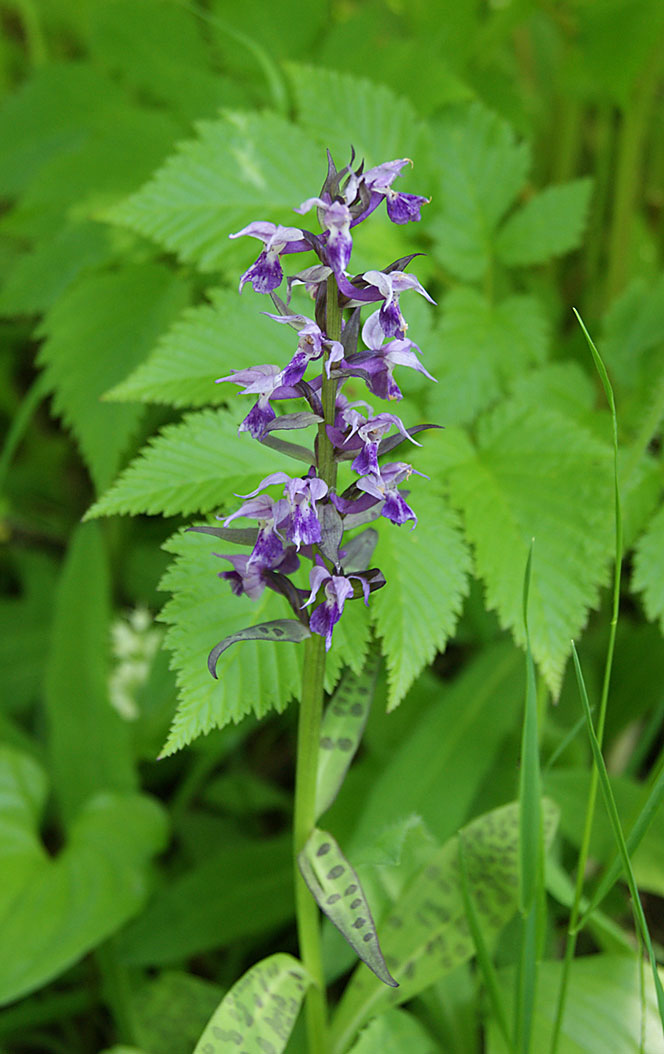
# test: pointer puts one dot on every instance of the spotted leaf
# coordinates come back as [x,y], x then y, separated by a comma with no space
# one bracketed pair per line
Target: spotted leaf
[257,1015]
[337,891]
[277,630]
[341,730]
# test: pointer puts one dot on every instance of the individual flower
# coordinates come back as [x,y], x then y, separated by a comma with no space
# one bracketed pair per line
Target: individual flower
[311,344]
[248,574]
[266,273]
[390,286]
[266,382]
[336,218]
[375,365]
[296,510]
[401,207]
[383,487]
[365,435]
[338,589]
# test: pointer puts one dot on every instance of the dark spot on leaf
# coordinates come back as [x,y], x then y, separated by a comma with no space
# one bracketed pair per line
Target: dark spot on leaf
[327,743]
[323,849]
[337,871]
[345,744]
[356,903]
[359,923]
[368,937]
[409,970]
[352,888]
[356,710]
[333,898]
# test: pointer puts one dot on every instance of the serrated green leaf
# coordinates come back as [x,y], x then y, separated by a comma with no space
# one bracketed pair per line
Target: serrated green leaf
[427,577]
[342,110]
[193,466]
[208,342]
[237,892]
[634,332]
[648,576]
[341,731]
[338,892]
[549,224]
[482,169]
[42,275]
[98,331]
[537,474]
[259,1012]
[241,168]
[426,934]
[89,743]
[55,909]
[478,348]
[256,677]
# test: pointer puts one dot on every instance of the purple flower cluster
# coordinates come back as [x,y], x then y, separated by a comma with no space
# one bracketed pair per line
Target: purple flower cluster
[307,517]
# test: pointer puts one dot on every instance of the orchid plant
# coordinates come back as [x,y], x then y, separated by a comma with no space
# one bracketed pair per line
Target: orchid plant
[310,517]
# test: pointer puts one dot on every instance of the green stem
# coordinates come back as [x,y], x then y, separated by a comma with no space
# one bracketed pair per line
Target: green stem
[117,990]
[631,146]
[308,734]
[35,40]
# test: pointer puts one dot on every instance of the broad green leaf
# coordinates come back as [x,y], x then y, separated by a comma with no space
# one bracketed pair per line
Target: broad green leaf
[208,342]
[549,224]
[338,892]
[460,729]
[341,730]
[426,934]
[648,577]
[603,1010]
[97,332]
[25,625]
[394,1032]
[89,743]
[256,677]
[537,474]
[427,574]
[477,350]
[481,170]
[239,891]
[259,1012]
[53,112]
[265,166]
[53,910]
[569,787]
[171,1009]
[159,49]
[193,466]
[342,110]
[634,333]
[42,275]
[561,386]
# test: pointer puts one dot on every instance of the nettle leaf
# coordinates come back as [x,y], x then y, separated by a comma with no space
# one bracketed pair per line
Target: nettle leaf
[192,466]
[482,169]
[648,576]
[341,730]
[96,333]
[259,1012]
[342,110]
[278,630]
[338,892]
[44,927]
[537,474]
[478,348]
[427,577]
[207,342]
[426,935]
[549,224]
[254,678]
[266,167]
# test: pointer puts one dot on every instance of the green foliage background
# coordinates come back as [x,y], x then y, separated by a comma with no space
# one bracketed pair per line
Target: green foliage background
[135,136]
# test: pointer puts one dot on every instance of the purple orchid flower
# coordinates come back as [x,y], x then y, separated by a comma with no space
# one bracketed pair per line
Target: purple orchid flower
[297,509]
[266,273]
[311,344]
[383,487]
[336,218]
[376,364]
[365,435]
[338,589]
[266,382]
[248,577]
[390,286]
[401,207]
